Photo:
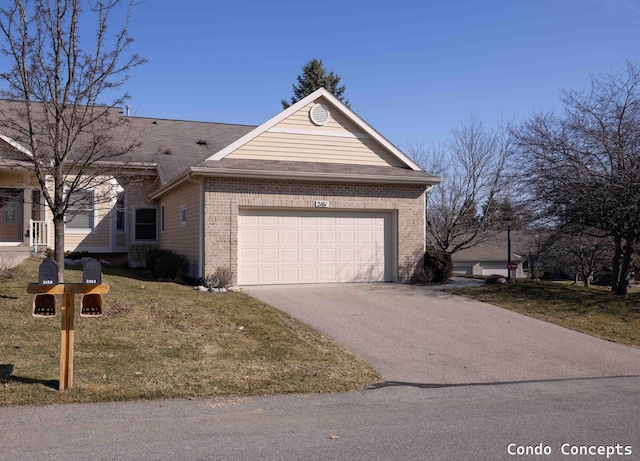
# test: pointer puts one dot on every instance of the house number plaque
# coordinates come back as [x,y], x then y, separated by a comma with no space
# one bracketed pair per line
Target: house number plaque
[322,204]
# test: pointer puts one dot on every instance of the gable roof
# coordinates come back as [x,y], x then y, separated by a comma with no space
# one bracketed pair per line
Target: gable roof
[177,145]
[336,104]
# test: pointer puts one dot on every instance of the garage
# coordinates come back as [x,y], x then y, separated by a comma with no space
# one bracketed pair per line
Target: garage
[277,246]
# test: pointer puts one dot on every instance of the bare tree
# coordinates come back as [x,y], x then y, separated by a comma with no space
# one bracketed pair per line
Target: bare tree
[473,165]
[582,252]
[582,167]
[57,84]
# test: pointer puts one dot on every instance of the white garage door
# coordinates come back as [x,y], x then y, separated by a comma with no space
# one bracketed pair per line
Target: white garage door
[283,246]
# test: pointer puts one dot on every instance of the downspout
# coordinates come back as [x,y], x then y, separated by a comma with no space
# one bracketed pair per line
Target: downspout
[201,220]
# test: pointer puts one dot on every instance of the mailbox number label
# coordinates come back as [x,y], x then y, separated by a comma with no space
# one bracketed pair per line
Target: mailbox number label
[90,281]
[47,282]
[322,204]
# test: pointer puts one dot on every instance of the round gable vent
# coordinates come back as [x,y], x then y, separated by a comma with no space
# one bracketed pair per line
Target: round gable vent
[319,114]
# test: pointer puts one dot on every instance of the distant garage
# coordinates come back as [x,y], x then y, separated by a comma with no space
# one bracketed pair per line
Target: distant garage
[284,246]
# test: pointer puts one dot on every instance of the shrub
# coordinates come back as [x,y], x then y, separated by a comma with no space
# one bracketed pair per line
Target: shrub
[496,278]
[73,255]
[438,265]
[137,256]
[166,264]
[221,278]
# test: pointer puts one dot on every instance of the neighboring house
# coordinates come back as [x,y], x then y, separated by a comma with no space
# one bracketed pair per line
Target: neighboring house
[489,257]
[313,195]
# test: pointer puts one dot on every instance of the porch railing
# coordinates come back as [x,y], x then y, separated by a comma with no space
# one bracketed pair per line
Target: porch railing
[39,234]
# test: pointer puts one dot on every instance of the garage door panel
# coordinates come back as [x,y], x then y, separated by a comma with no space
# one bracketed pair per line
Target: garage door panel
[328,255]
[365,236]
[250,236]
[308,236]
[327,236]
[270,237]
[290,275]
[290,237]
[269,255]
[309,256]
[288,246]
[309,274]
[346,237]
[249,256]
[270,274]
[290,255]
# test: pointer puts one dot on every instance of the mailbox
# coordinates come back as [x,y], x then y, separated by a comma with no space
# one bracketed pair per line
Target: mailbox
[48,273]
[44,305]
[91,306]
[92,272]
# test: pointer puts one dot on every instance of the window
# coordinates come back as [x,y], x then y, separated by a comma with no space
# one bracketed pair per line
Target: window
[145,229]
[145,225]
[80,211]
[183,215]
[120,213]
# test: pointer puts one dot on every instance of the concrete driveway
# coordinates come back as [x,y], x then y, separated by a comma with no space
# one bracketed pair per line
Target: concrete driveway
[418,334]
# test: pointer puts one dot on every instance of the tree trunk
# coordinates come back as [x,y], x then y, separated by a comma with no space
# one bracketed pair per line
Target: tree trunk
[615,270]
[622,273]
[58,242]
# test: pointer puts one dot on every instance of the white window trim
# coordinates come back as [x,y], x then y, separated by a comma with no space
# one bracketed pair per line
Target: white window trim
[135,214]
[124,213]
[78,231]
[183,214]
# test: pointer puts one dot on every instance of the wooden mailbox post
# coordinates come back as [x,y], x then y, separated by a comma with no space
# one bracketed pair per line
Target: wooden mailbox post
[44,306]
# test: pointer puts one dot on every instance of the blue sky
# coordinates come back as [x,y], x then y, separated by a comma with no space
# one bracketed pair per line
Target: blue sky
[413,69]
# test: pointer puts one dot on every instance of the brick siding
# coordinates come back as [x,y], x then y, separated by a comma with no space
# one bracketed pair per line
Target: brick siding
[224,197]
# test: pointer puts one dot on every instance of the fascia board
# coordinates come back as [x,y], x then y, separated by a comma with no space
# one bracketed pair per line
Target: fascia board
[297,176]
[313,176]
[16,145]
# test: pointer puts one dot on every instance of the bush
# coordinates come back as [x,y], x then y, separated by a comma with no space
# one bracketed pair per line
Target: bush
[73,255]
[166,264]
[496,278]
[221,278]
[438,265]
[137,256]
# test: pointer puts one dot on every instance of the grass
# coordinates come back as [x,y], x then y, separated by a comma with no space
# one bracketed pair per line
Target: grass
[160,340]
[594,310]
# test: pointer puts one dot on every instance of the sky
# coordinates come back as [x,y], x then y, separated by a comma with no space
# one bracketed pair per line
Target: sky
[413,70]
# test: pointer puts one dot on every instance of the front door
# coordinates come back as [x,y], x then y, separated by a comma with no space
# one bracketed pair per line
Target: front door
[11,209]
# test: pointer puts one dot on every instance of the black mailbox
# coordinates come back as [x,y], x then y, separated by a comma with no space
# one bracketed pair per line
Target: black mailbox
[48,273]
[92,272]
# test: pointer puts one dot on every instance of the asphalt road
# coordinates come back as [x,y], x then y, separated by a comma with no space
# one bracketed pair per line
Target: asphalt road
[388,422]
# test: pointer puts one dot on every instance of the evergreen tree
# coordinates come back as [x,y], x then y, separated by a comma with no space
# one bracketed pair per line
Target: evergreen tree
[315,76]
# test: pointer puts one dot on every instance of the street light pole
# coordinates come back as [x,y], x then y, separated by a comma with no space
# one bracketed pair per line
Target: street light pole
[509,249]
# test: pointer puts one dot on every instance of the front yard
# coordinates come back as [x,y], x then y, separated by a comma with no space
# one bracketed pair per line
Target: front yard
[160,340]
[594,310]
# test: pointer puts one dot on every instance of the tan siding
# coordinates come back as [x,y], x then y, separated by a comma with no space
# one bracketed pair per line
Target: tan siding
[297,139]
[183,239]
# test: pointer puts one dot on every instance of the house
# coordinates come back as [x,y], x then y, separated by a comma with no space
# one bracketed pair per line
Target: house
[313,195]
[490,257]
